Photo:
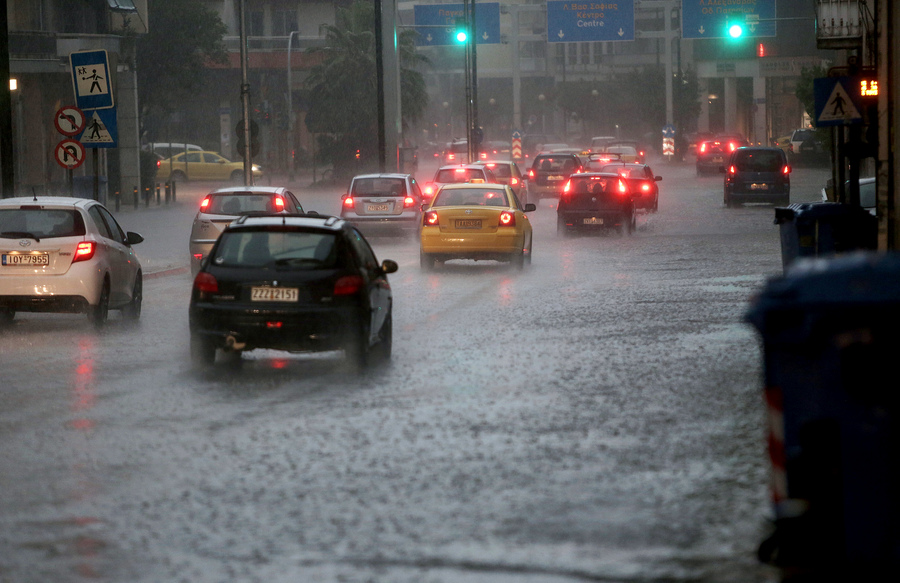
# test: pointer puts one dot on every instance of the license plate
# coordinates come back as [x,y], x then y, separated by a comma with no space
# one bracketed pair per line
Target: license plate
[378,208]
[274,294]
[717,158]
[468,223]
[593,221]
[756,186]
[555,177]
[26,259]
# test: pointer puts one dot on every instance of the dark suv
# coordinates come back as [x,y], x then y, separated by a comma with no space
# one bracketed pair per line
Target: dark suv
[549,174]
[757,174]
[292,282]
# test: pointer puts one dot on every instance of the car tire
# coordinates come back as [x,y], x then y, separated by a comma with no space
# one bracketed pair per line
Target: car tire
[632,223]
[561,229]
[237,177]
[203,351]
[357,351]
[179,176]
[530,252]
[382,352]
[132,311]
[517,260]
[98,314]
[655,205]
[426,261]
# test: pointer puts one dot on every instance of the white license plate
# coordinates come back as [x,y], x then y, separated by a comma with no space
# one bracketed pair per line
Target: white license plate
[378,208]
[26,259]
[593,221]
[756,186]
[274,294]
[468,223]
[555,177]
[717,158]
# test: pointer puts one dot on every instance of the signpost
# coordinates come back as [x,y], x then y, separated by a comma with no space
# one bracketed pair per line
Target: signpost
[438,21]
[837,101]
[90,79]
[711,18]
[516,149]
[589,21]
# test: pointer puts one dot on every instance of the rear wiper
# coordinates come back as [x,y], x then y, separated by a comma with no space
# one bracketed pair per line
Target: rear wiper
[297,260]
[19,235]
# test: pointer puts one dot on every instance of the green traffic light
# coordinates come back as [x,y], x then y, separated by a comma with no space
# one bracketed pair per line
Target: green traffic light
[461,36]
[735,31]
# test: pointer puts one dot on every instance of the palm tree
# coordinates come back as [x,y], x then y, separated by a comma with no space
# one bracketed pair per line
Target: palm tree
[341,91]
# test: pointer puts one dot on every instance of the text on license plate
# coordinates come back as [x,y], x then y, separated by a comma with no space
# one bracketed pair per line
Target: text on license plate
[468,223]
[555,177]
[378,208]
[717,158]
[273,294]
[756,186]
[26,259]
[593,221]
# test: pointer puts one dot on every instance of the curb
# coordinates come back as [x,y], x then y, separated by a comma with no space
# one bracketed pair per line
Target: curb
[167,272]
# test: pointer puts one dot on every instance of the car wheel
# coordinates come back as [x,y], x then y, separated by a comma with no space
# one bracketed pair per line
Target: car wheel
[561,228]
[530,252]
[99,313]
[132,311]
[632,223]
[237,177]
[203,351]
[179,176]
[426,261]
[655,205]
[699,172]
[386,340]
[356,351]
[6,316]
[518,260]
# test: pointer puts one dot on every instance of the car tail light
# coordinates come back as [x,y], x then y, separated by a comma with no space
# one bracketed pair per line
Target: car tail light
[204,203]
[531,173]
[349,202]
[702,148]
[732,146]
[408,202]
[645,186]
[513,181]
[732,170]
[507,219]
[786,170]
[430,219]
[641,153]
[273,325]
[567,187]
[84,251]
[483,155]
[451,156]
[159,163]
[623,188]
[279,204]
[206,283]
[428,190]
[348,285]
[198,256]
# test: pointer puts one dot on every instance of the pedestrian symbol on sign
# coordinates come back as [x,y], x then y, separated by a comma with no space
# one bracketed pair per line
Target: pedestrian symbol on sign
[89,81]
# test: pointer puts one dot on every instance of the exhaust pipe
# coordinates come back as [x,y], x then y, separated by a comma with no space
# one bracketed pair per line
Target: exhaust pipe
[231,343]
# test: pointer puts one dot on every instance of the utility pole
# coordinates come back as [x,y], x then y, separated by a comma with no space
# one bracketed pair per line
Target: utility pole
[245,100]
[7,161]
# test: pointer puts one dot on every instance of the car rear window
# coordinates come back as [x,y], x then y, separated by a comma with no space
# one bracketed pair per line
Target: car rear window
[758,160]
[501,170]
[471,197]
[294,249]
[379,187]
[454,175]
[595,185]
[41,223]
[239,204]
[554,164]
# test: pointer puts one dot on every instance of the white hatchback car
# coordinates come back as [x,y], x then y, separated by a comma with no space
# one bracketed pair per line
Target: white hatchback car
[220,207]
[60,254]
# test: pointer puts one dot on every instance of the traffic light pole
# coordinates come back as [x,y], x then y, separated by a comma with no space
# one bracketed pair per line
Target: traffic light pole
[473,133]
[245,100]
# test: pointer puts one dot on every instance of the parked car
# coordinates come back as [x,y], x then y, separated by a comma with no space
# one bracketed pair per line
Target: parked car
[548,174]
[66,255]
[596,201]
[295,283]
[757,174]
[388,203]
[476,221]
[203,166]
[867,193]
[220,207]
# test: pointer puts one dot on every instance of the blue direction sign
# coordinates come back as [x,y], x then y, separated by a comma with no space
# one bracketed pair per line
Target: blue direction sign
[487,23]
[569,22]
[668,131]
[91,79]
[710,18]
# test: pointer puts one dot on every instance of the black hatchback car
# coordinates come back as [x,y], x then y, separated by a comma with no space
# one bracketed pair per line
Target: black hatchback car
[757,174]
[296,283]
[596,200]
[549,173]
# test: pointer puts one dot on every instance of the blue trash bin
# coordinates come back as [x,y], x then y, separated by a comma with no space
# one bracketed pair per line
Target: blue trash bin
[831,331]
[815,229]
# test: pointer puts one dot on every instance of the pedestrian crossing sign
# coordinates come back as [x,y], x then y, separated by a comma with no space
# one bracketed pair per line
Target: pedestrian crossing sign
[835,105]
[91,79]
[100,130]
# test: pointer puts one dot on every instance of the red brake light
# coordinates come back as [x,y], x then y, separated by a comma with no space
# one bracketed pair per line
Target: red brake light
[732,146]
[567,187]
[159,163]
[451,156]
[204,203]
[408,202]
[786,170]
[348,202]
[645,187]
[623,189]
[507,219]
[513,181]
[279,204]
[84,251]
[531,173]
[273,325]
[483,155]
[429,190]
[703,148]
[430,219]
[206,283]
[348,285]
[732,170]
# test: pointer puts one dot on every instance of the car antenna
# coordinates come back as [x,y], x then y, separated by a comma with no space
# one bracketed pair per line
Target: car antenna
[34,193]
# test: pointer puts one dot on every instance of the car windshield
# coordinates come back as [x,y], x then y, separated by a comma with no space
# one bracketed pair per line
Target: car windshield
[41,223]
[555,164]
[758,160]
[471,197]
[240,203]
[452,175]
[378,187]
[288,249]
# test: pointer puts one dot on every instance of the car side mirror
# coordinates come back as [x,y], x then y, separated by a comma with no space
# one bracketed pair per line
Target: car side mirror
[389,266]
[657,178]
[133,238]
[530,207]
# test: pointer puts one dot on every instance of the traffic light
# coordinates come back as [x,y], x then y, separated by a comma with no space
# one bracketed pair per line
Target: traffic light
[461,31]
[735,29]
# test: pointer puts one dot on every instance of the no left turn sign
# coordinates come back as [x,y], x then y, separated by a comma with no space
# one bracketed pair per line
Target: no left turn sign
[69,120]
[69,154]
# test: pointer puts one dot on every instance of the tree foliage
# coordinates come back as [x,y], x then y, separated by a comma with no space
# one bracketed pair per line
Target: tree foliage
[341,91]
[171,59]
[805,92]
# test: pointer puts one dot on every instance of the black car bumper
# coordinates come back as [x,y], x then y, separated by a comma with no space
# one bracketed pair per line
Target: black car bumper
[594,219]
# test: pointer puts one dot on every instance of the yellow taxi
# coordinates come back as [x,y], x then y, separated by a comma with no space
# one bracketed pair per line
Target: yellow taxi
[193,165]
[476,221]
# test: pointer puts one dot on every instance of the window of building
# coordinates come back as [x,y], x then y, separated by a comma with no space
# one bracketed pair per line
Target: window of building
[284,22]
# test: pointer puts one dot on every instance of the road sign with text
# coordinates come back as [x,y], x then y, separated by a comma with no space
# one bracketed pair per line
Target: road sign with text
[569,22]
[710,18]
[431,17]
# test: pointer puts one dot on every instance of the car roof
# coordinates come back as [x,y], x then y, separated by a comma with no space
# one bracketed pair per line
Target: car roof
[473,185]
[248,190]
[302,220]
[58,201]
[472,166]
[383,175]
